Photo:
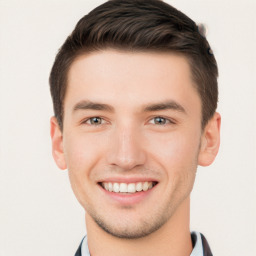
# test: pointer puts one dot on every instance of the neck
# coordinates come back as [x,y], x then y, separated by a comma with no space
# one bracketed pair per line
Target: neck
[173,238]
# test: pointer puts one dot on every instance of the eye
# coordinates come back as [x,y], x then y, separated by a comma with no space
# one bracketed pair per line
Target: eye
[94,121]
[160,120]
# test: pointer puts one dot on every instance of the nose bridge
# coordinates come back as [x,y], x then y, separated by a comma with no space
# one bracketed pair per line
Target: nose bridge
[126,151]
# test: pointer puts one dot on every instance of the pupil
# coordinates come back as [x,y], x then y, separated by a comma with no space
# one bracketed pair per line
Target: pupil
[95,120]
[160,120]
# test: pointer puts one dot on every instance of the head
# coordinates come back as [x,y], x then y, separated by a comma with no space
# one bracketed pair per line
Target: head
[139,26]
[134,89]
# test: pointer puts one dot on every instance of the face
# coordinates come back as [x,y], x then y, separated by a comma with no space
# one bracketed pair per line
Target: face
[132,138]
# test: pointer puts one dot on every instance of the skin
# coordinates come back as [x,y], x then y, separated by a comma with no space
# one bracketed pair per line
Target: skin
[129,142]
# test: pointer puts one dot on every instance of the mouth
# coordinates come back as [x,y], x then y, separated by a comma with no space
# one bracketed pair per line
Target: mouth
[128,188]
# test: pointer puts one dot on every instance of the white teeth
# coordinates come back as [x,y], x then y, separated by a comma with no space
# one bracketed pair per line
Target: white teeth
[106,186]
[116,187]
[139,186]
[127,187]
[123,188]
[145,186]
[110,187]
[131,188]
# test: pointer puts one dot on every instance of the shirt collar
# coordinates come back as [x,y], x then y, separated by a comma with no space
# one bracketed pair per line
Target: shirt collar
[196,238]
[84,248]
[198,245]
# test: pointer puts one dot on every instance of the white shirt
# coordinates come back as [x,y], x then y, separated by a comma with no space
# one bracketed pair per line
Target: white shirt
[197,250]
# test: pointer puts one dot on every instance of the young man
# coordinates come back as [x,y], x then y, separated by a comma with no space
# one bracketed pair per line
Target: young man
[134,90]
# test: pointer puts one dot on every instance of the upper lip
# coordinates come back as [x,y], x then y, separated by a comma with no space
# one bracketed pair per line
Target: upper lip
[128,179]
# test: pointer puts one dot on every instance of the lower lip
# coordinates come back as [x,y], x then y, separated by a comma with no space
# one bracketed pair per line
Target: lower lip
[128,198]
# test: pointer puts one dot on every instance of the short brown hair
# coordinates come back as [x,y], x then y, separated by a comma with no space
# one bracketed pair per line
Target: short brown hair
[139,25]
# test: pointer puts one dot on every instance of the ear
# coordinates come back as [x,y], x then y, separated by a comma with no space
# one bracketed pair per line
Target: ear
[57,144]
[210,141]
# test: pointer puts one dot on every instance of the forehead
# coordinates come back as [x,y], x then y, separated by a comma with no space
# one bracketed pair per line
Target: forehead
[130,78]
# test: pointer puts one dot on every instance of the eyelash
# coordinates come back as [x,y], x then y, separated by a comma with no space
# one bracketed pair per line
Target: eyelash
[91,118]
[165,120]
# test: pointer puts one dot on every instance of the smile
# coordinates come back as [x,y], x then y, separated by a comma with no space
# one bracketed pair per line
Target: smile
[128,187]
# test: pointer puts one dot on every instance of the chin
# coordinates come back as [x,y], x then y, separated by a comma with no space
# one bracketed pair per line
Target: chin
[129,227]
[130,232]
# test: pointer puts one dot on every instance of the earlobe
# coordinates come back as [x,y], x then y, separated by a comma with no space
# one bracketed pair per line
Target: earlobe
[210,141]
[57,144]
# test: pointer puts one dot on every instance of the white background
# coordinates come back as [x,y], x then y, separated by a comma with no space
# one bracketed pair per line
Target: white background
[38,213]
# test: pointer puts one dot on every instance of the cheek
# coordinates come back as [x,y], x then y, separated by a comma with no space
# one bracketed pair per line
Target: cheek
[178,157]
[176,149]
[82,152]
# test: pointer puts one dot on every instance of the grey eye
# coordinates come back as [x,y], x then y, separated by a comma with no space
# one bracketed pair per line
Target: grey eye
[95,120]
[160,120]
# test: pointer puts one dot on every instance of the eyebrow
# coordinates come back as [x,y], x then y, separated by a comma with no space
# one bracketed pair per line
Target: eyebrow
[173,105]
[88,105]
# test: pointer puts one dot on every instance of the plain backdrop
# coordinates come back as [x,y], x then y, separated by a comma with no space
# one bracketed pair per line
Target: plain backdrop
[39,214]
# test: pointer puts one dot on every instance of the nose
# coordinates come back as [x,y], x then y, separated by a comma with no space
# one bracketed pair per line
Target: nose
[126,149]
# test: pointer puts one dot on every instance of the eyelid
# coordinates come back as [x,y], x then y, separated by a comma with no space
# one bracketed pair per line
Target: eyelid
[168,120]
[86,121]
[104,121]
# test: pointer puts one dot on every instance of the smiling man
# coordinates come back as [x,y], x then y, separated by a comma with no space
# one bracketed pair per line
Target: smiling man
[134,90]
